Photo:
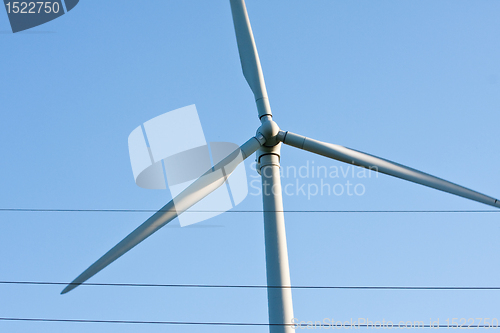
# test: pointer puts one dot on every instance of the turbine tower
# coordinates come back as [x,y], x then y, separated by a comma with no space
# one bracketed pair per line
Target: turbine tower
[266,144]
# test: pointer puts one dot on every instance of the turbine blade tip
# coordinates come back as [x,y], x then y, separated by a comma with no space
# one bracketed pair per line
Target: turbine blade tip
[69,287]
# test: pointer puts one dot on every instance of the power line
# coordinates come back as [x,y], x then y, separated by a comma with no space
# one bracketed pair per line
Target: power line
[58,210]
[295,325]
[253,286]
[98,321]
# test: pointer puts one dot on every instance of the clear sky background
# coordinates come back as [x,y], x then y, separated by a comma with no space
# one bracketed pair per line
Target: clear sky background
[414,82]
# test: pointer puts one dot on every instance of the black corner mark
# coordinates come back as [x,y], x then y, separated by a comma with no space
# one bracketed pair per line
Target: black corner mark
[28,14]
[70,4]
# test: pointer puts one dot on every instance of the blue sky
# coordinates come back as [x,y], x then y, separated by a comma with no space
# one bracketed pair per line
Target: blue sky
[416,83]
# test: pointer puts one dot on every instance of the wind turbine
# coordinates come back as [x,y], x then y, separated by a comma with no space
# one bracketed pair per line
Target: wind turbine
[267,143]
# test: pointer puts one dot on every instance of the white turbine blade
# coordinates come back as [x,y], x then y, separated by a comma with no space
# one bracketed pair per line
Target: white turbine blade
[199,189]
[249,57]
[371,162]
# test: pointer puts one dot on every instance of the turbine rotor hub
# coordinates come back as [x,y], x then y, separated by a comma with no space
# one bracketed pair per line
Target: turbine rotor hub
[270,130]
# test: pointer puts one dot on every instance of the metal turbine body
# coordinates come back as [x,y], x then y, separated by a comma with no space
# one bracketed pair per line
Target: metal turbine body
[267,144]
